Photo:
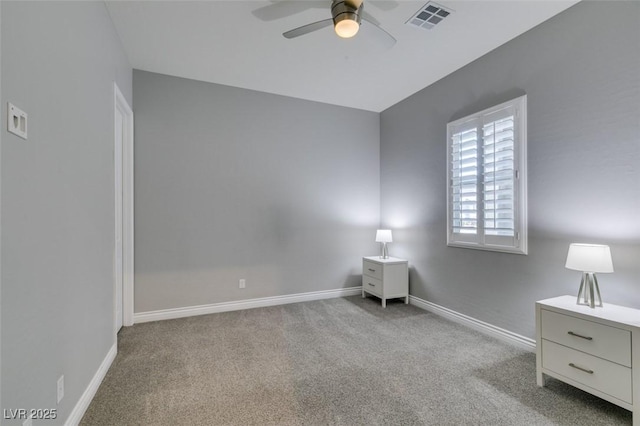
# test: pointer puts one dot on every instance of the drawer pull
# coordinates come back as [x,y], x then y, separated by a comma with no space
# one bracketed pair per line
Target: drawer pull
[578,335]
[372,270]
[372,285]
[580,368]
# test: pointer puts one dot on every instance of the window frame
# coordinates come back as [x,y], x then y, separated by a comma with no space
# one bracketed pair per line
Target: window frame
[518,244]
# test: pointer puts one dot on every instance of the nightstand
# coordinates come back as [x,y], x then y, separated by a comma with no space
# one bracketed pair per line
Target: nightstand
[596,350]
[385,278]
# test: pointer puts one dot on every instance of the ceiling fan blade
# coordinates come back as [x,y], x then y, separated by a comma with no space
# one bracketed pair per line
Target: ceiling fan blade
[284,8]
[368,17]
[306,29]
[377,32]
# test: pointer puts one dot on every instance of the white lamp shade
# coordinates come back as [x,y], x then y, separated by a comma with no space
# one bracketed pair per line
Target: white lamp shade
[383,236]
[589,258]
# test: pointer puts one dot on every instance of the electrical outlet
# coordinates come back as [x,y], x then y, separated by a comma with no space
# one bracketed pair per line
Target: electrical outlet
[60,388]
[16,121]
[242,283]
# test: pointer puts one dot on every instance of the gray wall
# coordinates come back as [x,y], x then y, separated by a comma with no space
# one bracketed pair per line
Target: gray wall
[233,183]
[581,72]
[59,62]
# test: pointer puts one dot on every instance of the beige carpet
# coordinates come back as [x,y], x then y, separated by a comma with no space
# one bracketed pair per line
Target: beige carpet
[339,361]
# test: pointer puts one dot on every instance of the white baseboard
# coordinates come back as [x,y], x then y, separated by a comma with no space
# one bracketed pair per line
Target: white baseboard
[483,327]
[88,394]
[213,308]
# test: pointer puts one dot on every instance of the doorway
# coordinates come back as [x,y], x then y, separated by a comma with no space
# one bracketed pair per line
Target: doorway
[123,190]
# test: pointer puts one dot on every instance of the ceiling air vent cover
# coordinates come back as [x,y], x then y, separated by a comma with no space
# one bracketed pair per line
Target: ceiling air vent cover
[430,15]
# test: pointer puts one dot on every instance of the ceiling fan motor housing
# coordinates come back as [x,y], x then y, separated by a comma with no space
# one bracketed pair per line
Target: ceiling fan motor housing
[346,9]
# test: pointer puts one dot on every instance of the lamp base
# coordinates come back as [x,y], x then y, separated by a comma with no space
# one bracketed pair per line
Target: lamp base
[384,254]
[589,293]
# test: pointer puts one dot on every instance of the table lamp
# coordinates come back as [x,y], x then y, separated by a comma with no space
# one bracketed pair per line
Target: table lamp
[589,259]
[384,236]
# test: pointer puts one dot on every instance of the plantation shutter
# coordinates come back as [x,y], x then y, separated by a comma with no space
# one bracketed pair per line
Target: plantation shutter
[464,192]
[486,167]
[498,177]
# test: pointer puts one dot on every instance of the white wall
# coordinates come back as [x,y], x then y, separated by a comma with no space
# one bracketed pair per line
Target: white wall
[59,62]
[581,73]
[232,183]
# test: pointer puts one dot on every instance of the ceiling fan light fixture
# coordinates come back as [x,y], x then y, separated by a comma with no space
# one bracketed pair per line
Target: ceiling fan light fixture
[347,28]
[346,17]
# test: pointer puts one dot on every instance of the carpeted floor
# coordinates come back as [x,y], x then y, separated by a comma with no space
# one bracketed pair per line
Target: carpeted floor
[340,361]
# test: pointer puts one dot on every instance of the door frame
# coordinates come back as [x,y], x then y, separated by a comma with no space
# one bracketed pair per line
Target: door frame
[121,105]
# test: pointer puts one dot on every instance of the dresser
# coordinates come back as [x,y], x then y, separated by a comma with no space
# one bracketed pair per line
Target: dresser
[385,278]
[596,350]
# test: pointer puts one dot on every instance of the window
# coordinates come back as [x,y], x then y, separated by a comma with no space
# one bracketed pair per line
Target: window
[487,179]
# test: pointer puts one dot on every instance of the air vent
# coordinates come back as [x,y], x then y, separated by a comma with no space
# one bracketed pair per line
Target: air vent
[430,15]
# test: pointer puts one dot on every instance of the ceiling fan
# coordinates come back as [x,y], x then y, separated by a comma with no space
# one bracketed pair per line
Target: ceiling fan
[346,18]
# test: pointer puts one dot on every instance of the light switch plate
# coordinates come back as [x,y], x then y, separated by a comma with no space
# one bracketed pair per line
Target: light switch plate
[16,121]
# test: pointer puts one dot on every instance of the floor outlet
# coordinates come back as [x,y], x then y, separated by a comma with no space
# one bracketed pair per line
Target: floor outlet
[242,283]
[60,388]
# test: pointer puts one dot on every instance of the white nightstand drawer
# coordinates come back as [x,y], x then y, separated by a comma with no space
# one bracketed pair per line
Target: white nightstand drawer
[599,374]
[613,344]
[372,285]
[372,269]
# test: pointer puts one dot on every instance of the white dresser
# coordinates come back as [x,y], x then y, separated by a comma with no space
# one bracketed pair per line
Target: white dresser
[385,278]
[596,350]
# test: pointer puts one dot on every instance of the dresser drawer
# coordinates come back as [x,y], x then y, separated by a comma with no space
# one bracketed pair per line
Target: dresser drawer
[372,269]
[372,285]
[610,343]
[607,377]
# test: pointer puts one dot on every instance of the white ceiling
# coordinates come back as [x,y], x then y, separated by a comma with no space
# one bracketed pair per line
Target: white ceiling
[223,42]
